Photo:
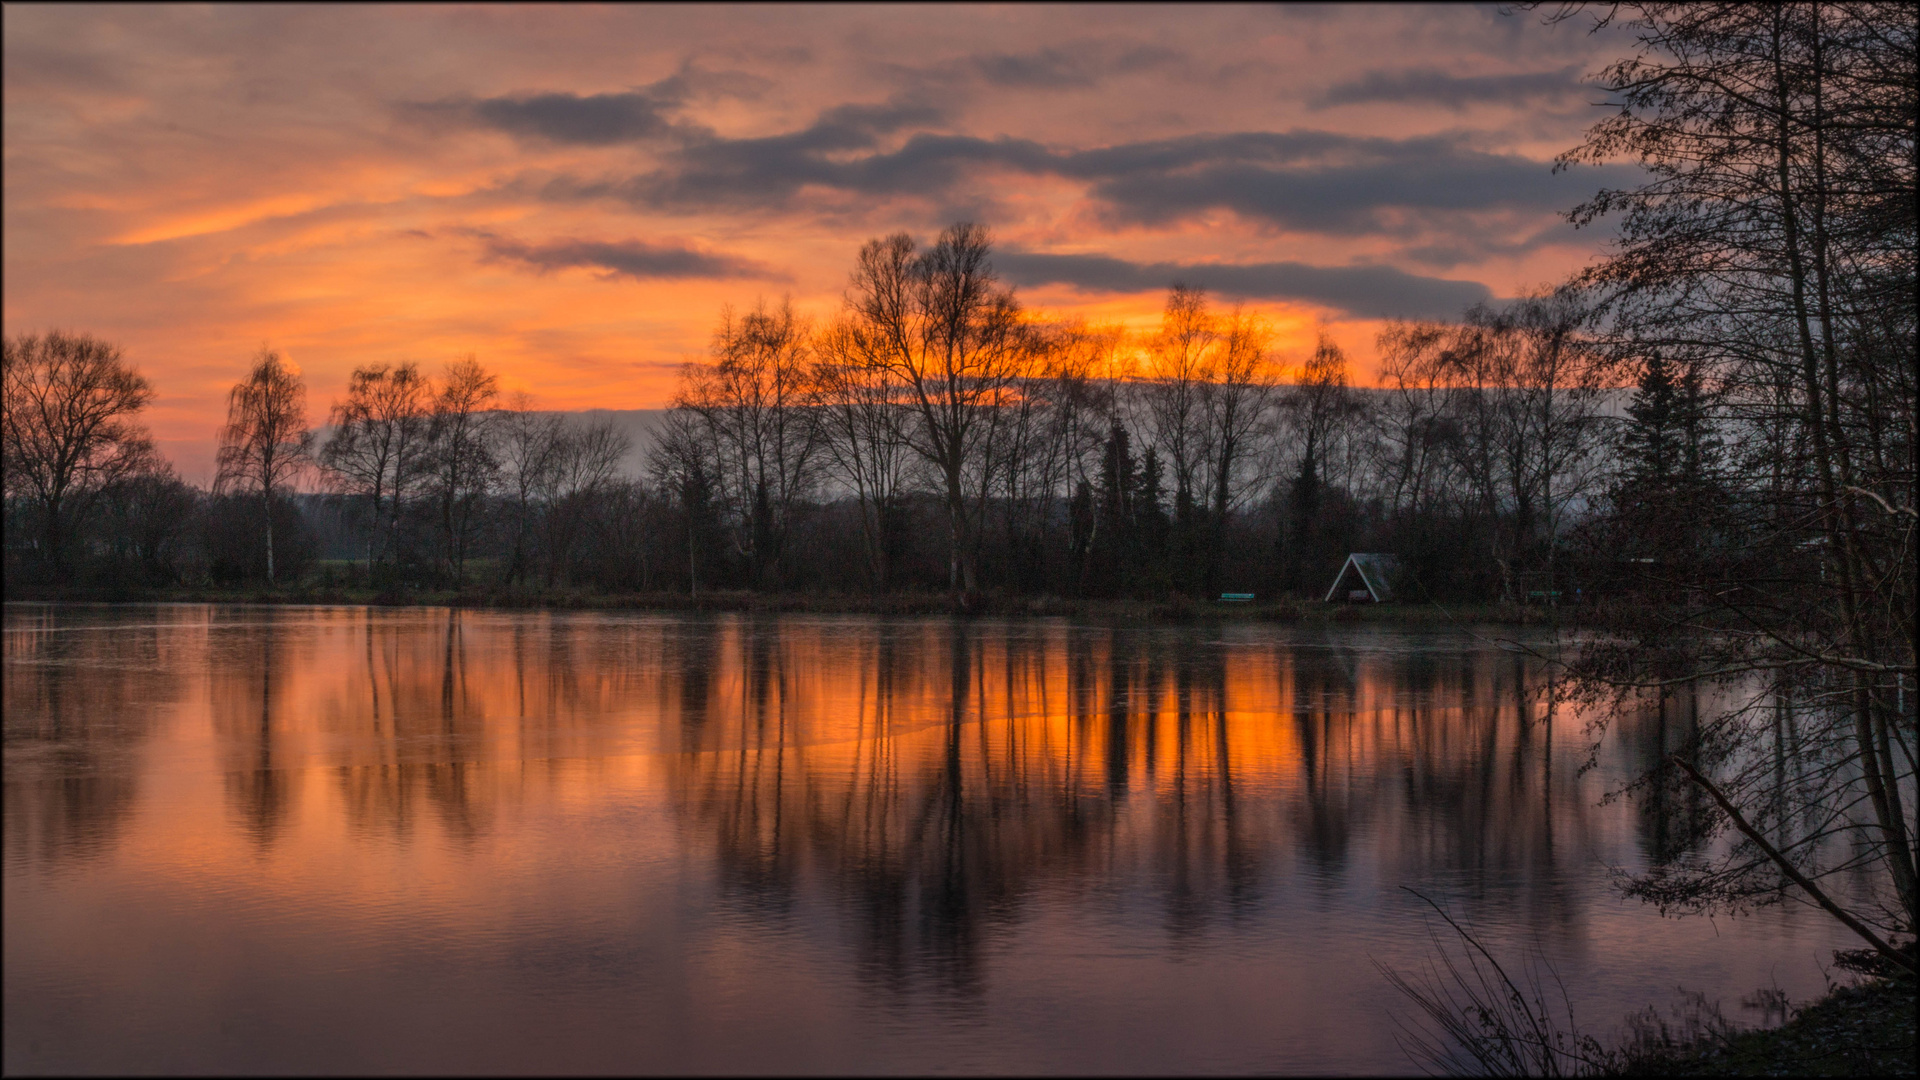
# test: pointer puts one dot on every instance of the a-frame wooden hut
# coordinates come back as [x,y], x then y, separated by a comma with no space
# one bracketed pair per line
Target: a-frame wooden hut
[1373,573]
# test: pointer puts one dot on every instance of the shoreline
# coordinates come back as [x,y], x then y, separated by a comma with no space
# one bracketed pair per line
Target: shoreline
[1174,610]
[1864,1029]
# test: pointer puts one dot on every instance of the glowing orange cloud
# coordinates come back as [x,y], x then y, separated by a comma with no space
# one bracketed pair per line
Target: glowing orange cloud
[352,185]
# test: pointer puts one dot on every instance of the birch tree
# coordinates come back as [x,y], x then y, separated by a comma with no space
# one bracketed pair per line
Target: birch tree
[266,444]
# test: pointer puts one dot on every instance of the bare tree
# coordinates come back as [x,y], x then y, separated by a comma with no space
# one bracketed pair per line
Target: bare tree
[1174,391]
[461,464]
[379,434]
[1236,403]
[145,518]
[1772,248]
[683,462]
[1051,426]
[626,536]
[528,446]
[584,463]
[753,399]
[940,323]
[266,444]
[1412,425]
[1553,405]
[1319,410]
[859,410]
[1505,408]
[69,428]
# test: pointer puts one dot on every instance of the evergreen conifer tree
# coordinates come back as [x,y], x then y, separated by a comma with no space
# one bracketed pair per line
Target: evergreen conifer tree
[1668,492]
[1114,543]
[1151,527]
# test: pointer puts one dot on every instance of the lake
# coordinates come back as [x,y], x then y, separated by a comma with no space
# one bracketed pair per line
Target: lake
[259,839]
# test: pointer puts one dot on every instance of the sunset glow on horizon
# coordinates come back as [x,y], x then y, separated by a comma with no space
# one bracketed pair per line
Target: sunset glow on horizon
[573,195]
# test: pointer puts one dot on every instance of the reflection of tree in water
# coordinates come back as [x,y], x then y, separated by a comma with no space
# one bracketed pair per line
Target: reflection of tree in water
[691,657]
[757,865]
[450,775]
[934,777]
[924,822]
[416,716]
[1452,758]
[243,691]
[1669,810]
[1455,760]
[1753,732]
[449,717]
[970,766]
[1324,819]
[77,705]
[422,721]
[960,768]
[1200,840]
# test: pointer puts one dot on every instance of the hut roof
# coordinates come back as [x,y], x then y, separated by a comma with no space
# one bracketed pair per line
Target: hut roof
[1376,573]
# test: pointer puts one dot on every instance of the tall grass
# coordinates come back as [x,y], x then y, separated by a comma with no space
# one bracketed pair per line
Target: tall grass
[1475,1019]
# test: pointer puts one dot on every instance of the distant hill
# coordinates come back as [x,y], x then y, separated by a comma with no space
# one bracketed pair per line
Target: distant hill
[642,426]
[193,458]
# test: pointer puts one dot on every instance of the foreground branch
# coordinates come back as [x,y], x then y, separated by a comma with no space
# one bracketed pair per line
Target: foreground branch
[1892,955]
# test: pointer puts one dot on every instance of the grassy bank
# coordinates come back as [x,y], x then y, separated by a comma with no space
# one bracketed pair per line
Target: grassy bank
[1177,609]
[1864,1030]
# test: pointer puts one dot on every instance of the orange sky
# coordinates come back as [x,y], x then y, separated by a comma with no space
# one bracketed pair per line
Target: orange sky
[573,193]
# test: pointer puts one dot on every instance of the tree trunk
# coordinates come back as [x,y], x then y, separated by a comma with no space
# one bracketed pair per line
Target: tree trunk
[959,574]
[269,504]
[53,540]
[373,534]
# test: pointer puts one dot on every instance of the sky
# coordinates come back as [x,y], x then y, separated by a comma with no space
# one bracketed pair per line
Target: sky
[573,194]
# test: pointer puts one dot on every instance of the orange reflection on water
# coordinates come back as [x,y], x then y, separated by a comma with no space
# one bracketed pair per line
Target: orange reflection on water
[852,745]
[651,830]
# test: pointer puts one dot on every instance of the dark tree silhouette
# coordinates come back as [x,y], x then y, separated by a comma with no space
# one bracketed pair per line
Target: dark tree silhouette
[70,430]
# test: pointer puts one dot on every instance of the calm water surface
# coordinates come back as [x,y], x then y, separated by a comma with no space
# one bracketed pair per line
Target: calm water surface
[330,839]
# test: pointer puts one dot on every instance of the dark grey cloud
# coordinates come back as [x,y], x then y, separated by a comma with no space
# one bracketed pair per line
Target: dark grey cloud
[1267,148]
[1349,200]
[642,114]
[635,259]
[590,120]
[1314,181]
[1430,85]
[1318,181]
[772,170]
[1073,64]
[633,116]
[1429,189]
[1363,291]
[844,127]
[1045,69]
[1078,64]
[692,83]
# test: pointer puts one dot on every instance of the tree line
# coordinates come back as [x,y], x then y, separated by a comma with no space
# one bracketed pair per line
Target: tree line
[932,434]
